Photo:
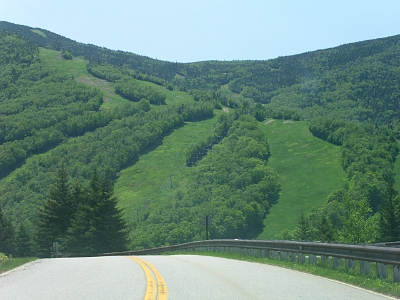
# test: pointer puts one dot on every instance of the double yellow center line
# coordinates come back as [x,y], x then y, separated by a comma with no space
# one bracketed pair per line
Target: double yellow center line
[156,289]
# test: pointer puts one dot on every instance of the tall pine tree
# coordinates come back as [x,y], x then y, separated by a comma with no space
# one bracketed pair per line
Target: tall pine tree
[7,234]
[389,217]
[23,242]
[98,226]
[56,213]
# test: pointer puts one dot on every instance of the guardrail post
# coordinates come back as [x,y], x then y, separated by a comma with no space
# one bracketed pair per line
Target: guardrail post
[325,259]
[396,273]
[301,258]
[350,264]
[337,262]
[364,267]
[275,254]
[381,270]
[283,255]
[292,256]
[312,258]
[267,253]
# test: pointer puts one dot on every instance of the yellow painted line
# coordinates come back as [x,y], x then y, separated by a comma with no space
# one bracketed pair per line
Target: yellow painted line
[158,291]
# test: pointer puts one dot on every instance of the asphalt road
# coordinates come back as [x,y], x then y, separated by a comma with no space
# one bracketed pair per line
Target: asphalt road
[170,277]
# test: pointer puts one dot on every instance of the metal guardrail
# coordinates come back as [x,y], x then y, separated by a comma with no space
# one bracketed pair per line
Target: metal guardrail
[382,256]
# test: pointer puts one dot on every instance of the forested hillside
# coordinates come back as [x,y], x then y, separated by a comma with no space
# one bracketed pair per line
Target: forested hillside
[51,118]
[47,118]
[356,81]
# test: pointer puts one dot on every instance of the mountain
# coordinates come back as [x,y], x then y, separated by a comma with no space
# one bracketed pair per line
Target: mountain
[94,108]
[349,78]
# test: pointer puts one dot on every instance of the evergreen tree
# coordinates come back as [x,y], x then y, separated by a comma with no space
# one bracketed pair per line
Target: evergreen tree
[56,213]
[98,226]
[6,234]
[389,217]
[303,229]
[23,242]
[325,230]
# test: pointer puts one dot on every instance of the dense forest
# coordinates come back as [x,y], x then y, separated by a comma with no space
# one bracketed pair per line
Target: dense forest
[51,122]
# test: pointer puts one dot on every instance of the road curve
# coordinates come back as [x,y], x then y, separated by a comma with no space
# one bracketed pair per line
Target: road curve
[179,277]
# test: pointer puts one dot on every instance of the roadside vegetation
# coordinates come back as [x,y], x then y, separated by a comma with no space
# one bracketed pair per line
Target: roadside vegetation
[9,263]
[351,276]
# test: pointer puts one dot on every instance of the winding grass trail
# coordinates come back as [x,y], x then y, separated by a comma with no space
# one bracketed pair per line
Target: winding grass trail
[309,170]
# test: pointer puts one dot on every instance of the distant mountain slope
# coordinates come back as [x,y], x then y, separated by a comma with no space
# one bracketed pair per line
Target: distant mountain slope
[307,74]
[357,81]
[50,40]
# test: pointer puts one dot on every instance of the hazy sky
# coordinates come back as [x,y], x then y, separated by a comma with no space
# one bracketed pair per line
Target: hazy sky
[195,30]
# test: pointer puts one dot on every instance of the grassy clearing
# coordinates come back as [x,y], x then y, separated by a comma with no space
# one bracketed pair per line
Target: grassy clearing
[151,182]
[352,276]
[14,263]
[77,68]
[309,171]
[41,33]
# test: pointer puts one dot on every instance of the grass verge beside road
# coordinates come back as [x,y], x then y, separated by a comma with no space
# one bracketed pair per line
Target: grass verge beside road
[14,263]
[352,277]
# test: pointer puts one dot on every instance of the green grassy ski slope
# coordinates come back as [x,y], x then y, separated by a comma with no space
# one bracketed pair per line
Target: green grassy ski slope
[309,171]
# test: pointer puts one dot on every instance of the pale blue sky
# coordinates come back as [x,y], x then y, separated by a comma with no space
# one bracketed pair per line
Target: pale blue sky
[196,30]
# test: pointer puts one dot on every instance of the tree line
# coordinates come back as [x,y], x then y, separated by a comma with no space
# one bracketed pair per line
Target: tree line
[85,220]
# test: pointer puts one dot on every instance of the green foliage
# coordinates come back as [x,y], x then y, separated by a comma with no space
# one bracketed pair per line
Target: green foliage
[112,74]
[196,111]
[197,151]
[84,220]
[232,184]
[325,230]
[389,217]
[7,234]
[124,140]
[302,232]
[3,257]
[24,245]
[144,105]
[66,55]
[56,214]
[97,225]
[129,89]
[107,72]
[368,154]
[358,224]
